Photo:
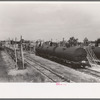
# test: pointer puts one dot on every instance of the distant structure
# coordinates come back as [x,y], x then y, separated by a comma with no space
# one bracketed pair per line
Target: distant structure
[85,41]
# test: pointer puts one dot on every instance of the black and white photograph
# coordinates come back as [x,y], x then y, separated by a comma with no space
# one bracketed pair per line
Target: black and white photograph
[50,42]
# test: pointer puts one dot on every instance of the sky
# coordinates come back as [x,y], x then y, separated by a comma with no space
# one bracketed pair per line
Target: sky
[49,20]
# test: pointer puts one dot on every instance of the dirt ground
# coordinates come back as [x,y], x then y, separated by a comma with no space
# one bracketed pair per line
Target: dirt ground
[8,72]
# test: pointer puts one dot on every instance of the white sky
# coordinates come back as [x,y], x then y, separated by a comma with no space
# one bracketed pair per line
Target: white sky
[46,20]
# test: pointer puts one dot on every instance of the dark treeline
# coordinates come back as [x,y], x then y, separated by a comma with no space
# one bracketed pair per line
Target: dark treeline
[72,41]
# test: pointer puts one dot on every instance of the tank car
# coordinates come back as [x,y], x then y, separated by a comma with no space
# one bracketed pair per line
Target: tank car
[72,55]
[97,51]
[75,54]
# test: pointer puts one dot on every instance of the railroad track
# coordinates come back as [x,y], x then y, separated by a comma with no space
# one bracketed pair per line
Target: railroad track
[49,73]
[55,76]
[84,70]
[40,70]
[90,72]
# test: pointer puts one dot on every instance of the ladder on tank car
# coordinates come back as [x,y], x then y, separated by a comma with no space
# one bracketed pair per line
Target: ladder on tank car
[91,56]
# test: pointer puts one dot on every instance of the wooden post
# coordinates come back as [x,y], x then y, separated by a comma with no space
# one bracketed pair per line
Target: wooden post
[30,46]
[9,42]
[63,42]
[15,53]
[22,56]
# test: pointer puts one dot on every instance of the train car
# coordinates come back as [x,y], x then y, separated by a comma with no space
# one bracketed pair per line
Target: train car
[73,55]
[97,52]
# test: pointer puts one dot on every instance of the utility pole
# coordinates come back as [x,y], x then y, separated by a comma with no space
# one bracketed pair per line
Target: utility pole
[30,46]
[9,42]
[22,56]
[15,52]
[63,39]
[63,42]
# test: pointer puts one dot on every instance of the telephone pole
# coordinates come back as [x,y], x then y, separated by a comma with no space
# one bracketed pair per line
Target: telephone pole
[15,52]
[22,56]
